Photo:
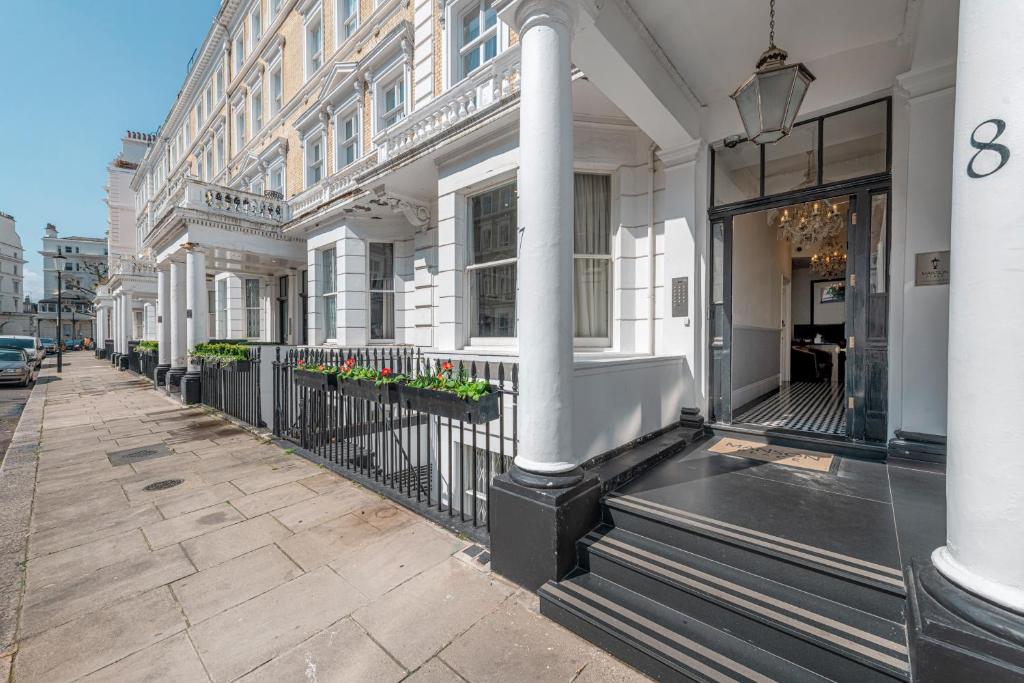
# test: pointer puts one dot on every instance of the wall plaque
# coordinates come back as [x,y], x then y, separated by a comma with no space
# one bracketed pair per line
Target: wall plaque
[680,297]
[159,318]
[188,313]
[932,268]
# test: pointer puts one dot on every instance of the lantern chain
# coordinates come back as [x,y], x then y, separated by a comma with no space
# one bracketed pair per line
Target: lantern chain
[771,25]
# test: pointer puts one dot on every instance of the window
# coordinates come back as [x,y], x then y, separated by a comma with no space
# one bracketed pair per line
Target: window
[492,267]
[382,291]
[220,84]
[257,110]
[67,266]
[348,17]
[67,250]
[255,26]
[209,100]
[222,308]
[209,164]
[240,127]
[347,134]
[592,238]
[276,178]
[252,308]
[328,287]
[256,186]
[392,104]
[17,286]
[199,114]
[239,52]
[478,40]
[200,172]
[275,7]
[314,159]
[220,151]
[211,308]
[314,45]
[276,91]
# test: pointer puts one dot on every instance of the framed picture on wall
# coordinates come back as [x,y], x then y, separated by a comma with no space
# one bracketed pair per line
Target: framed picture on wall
[833,292]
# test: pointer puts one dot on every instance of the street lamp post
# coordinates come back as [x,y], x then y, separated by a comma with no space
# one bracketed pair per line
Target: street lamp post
[59,260]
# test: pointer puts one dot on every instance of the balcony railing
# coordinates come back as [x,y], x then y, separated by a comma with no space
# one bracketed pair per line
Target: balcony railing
[332,186]
[485,88]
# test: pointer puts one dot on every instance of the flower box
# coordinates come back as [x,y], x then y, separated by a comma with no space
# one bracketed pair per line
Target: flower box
[368,391]
[315,380]
[447,404]
[241,365]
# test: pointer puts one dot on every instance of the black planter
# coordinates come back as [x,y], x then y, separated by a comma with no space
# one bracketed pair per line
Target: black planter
[368,391]
[315,380]
[447,404]
[241,365]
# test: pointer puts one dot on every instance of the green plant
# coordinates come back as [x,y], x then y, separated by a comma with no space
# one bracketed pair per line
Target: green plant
[148,346]
[350,371]
[454,382]
[220,353]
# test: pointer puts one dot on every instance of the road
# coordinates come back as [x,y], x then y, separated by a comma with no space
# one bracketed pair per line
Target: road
[12,402]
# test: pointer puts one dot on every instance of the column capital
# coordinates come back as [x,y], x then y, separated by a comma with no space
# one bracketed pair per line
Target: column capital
[522,15]
[683,154]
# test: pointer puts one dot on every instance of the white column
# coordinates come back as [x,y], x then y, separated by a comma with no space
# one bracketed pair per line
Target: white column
[116,329]
[127,319]
[178,341]
[984,551]
[101,326]
[545,267]
[149,320]
[198,317]
[163,321]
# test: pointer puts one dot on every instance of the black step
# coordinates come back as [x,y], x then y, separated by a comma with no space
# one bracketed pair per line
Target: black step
[818,634]
[866,586]
[657,639]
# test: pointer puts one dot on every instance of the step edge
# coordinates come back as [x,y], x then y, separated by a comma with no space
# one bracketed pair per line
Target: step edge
[900,671]
[600,618]
[722,537]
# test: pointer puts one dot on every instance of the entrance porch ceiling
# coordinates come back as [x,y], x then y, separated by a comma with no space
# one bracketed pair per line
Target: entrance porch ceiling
[233,242]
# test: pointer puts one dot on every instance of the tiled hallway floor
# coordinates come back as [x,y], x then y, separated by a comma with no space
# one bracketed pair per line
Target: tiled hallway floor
[257,566]
[802,406]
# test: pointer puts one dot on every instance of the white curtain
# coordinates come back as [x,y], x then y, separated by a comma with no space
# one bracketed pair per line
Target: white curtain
[592,239]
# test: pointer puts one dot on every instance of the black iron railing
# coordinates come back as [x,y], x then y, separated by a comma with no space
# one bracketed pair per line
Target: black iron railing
[147,364]
[443,464]
[134,358]
[234,388]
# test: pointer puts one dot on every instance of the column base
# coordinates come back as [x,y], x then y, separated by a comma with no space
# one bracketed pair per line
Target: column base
[534,529]
[191,386]
[159,374]
[113,358]
[122,361]
[956,636]
[173,378]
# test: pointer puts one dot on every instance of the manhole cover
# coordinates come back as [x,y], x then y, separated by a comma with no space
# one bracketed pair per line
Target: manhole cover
[161,485]
[130,455]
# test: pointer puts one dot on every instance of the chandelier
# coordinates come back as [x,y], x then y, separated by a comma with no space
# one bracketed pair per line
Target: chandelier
[807,224]
[829,260]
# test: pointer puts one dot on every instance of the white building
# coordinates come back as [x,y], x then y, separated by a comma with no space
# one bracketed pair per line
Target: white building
[81,263]
[14,319]
[568,184]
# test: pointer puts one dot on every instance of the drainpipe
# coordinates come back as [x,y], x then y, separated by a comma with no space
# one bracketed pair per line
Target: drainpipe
[651,305]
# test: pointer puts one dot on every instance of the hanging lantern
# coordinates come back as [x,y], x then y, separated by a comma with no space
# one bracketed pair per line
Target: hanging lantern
[770,99]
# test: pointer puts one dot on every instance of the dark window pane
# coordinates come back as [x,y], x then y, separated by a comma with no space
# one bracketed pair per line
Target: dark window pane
[382,315]
[737,173]
[718,263]
[382,265]
[493,225]
[879,208]
[494,301]
[855,143]
[792,162]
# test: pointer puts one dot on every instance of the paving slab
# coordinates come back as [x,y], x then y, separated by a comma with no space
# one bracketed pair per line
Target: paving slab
[434,671]
[190,525]
[316,511]
[175,505]
[67,565]
[342,653]
[268,500]
[220,546]
[90,529]
[171,659]
[319,545]
[211,591]
[249,635]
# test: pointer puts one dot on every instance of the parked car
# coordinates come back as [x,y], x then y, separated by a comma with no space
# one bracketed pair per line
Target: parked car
[15,366]
[49,345]
[32,346]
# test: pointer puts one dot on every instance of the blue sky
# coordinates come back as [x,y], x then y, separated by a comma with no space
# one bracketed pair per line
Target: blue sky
[75,75]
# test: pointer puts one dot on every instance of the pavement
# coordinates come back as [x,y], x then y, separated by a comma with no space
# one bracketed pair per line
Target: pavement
[254,564]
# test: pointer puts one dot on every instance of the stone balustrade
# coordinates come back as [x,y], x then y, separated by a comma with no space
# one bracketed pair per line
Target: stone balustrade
[333,186]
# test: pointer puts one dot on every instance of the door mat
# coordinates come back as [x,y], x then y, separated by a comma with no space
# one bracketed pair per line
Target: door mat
[779,455]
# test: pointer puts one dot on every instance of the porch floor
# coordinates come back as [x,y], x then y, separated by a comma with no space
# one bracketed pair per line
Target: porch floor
[801,406]
[256,565]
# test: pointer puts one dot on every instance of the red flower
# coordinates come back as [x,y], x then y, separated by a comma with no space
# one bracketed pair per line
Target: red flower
[350,362]
[440,376]
[301,363]
[321,368]
[386,372]
[447,365]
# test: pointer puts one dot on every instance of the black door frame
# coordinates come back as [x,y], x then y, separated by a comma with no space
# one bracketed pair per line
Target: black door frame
[860,191]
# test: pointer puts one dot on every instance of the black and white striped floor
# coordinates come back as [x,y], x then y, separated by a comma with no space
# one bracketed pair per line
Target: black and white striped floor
[802,406]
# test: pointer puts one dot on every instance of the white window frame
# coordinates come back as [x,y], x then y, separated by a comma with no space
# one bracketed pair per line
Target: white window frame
[370,292]
[239,51]
[397,73]
[345,26]
[276,74]
[256,185]
[255,25]
[611,257]
[209,100]
[451,44]
[219,82]
[328,297]
[256,103]
[275,7]
[222,307]
[468,194]
[318,134]
[241,127]
[313,59]
[220,152]
[253,312]
[476,44]
[209,161]
[277,166]
[341,143]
